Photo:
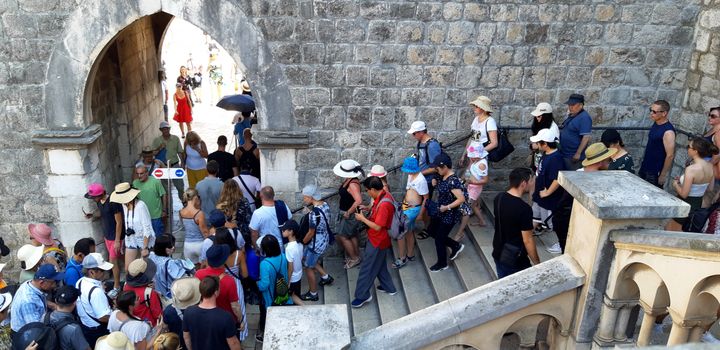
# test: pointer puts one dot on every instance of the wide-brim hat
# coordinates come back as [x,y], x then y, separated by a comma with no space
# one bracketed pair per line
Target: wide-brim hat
[217,255]
[185,292]
[94,190]
[245,86]
[597,152]
[123,193]
[348,168]
[5,300]
[147,150]
[483,102]
[141,272]
[410,165]
[42,233]
[114,341]
[378,170]
[30,255]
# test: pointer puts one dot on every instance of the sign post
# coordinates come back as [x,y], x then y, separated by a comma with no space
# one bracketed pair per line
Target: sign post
[169,174]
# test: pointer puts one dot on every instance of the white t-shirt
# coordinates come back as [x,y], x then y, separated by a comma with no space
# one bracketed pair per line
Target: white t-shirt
[294,254]
[419,184]
[252,183]
[479,129]
[554,128]
[135,330]
[95,303]
[265,222]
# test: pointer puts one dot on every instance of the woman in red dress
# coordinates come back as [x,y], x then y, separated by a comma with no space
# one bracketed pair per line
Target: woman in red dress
[183,109]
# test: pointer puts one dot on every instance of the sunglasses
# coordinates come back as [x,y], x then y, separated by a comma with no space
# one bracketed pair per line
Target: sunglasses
[713,116]
[652,111]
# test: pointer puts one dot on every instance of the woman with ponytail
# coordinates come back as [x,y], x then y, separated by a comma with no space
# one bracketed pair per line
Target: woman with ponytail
[122,320]
[195,228]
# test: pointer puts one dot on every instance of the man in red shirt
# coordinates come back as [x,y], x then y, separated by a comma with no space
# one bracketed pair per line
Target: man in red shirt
[374,262]
[228,297]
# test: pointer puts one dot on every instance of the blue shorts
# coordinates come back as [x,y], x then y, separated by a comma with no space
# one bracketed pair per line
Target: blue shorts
[310,258]
[412,214]
[158,226]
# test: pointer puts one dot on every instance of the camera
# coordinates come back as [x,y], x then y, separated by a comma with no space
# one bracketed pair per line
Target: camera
[129,232]
[358,210]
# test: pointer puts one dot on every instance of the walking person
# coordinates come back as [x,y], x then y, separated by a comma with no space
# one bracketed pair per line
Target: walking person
[67,327]
[476,176]
[195,154]
[237,213]
[413,205]
[183,109]
[374,263]
[227,164]
[94,306]
[169,150]
[140,279]
[548,192]
[267,219]
[249,185]
[185,293]
[450,197]
[236,266]
[111,216]
[139,233]
[30,301]
[575,133]
[206,326]
[73,272]
[248,154]
[348,227]
[316,241]
[427,149]
[168,268]
[196,229]
[162,78]
[484,127]
[140,333]
[228,299]
[294,256]
[209,188]
[513,242]
[148,160]
[660,148]
[153,194]
[272,269]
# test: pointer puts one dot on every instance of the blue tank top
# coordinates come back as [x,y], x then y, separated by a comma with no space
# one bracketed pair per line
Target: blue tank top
[192,230]
[655,150]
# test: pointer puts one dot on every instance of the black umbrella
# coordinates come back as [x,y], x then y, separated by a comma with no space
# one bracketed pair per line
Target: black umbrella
[240,103]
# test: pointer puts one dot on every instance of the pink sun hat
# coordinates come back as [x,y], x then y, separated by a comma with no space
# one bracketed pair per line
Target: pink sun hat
[94,190]
[42,233]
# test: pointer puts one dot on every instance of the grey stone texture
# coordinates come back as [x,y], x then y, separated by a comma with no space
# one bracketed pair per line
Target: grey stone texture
[343,68]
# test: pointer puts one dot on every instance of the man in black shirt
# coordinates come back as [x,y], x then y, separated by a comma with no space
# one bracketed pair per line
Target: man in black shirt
[111,215]
[513,242]
[206,326]
[228,164]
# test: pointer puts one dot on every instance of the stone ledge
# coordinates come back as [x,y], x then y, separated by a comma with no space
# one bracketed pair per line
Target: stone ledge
[307,327]
[475,307]
[621,195]
[698,242]
[281,139]
[67,138]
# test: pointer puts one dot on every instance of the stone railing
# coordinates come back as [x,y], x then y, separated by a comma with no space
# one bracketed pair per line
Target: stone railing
[479,318]
[663,272]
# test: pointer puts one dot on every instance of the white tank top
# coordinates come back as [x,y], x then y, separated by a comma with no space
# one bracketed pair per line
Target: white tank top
[194,160]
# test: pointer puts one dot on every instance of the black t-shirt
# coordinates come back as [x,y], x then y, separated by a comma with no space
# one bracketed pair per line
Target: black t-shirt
[209,328]
[226,161]
[512,216]
[107,215]
[548,170]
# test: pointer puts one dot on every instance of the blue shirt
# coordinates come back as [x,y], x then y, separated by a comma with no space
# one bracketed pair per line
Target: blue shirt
[574,128]
[445,197]
[322,236]
[73,272]
[548,169]
[654,157]
[433,149]
[209,190]
[28,306]
[268,270]
[168,270]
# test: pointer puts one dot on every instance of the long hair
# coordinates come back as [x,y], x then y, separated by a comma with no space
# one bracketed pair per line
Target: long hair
[704,147]
[188,196]
[125,300]
[545,122]
[230,197]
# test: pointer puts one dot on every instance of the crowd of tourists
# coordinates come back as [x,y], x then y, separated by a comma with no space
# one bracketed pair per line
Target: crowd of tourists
[242,246]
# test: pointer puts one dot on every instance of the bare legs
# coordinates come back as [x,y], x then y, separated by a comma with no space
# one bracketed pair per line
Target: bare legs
[130,255]
[312,279]
[352,250]
[182,129]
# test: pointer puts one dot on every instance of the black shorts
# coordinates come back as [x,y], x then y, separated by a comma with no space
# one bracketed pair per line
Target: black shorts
[295,288]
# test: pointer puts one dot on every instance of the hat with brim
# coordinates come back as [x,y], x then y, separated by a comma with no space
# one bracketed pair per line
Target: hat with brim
[482,102]
[545,135]
[217,254]
[312,192]
[245,86]
[114,341]
[123,193]
[94,190]
[542,108]
[185,292]
[378,171]
[147,150]
[597,152]
[96,261]
[47,272]
[30,255]
[5,300]
[164,124]
[410,165]
[575,99]
[141,272]
[42,233]
[348,168]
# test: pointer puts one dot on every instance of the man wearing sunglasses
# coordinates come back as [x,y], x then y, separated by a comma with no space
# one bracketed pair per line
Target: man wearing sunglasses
[660,148]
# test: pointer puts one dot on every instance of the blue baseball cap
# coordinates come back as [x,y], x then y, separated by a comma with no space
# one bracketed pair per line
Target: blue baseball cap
[442,159]
[410,165]
[47,272]
[217,254]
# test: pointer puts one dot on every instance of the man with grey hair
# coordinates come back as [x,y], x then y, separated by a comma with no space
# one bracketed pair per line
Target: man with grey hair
[153,194]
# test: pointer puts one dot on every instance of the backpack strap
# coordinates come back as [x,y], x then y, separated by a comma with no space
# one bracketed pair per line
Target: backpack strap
[147,294]
[246,187]
[327,223]
[123,323]
[89,302]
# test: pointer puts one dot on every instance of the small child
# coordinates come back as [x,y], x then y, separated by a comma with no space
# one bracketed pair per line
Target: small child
[73,270]
[476,177]
[294,255]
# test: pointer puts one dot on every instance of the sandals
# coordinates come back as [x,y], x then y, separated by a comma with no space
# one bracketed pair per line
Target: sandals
[422,235]
[352,263]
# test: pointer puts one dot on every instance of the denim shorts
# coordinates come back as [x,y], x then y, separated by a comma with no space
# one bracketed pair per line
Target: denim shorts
[310,258]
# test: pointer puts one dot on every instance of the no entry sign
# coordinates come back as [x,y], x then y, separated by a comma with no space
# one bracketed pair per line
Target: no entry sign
[169,173]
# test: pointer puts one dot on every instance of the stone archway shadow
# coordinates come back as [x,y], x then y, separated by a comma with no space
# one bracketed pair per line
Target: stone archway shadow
[95,23]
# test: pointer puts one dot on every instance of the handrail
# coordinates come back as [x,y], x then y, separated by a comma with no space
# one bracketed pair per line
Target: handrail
[463,138]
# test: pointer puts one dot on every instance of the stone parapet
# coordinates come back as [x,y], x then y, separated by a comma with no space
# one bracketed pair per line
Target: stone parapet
[703,246]
[320,327]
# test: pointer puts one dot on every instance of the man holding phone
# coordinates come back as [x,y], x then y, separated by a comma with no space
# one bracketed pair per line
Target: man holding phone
[111,215]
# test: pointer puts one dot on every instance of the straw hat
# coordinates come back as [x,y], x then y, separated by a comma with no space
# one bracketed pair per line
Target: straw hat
[378,170]
[348,168]
[42,233]
[30,255]
[141,272]
[123,193]
[482,102]
[245,86]
[114,341]
[185,292]
[597,152]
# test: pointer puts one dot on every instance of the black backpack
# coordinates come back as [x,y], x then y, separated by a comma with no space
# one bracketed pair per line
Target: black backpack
[697,218]
[427,144]
[305,227]
[45,333]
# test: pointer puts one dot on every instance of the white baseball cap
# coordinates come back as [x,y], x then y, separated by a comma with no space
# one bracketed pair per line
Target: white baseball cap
[96,261]
[542,108]
[544,135]
[417,126]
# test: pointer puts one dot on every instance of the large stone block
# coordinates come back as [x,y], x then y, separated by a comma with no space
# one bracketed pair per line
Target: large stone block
[19,25]
[349,31]
[383,118]
[503,12]
[307,116]
[429,11]
[460,32]
[334,117]
[476,12]
[339,53]
[357,75]
[415,97]
[313,53]
[390,97]
[358,118]
[436,32]
[381,31]
[318,96]
[439,76]
[369,53]
[316,158]
[485,33]
[500,55]
[364,97]
[510,76]
[449,55]
[374,9]
[420,54]
[335,8]
[286,52]
[330,75]
[381,76]
[452,11]
[410,31]
[321,139]
[393,54]
[342,96]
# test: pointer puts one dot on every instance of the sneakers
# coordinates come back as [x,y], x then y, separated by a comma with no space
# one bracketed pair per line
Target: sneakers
[113,293]
[437,267]
[457,252]
[259,338]
[309,296]
[399,263]
[326,281]
[707,337]
[357,303]
[380,288]
[555,249]
[538,231]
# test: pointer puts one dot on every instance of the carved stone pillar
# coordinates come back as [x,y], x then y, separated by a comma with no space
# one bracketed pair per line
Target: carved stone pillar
[613,321]
[679,333]
[622,322]
[646,328]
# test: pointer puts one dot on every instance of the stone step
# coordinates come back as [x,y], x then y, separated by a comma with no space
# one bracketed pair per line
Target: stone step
[368,316]
[470,266]
[392,307]
[337,293]
[305,287]
[415,280]
[446,284]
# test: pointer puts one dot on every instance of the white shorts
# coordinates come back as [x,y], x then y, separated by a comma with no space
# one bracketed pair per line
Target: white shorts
[541,215]
[192,251]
